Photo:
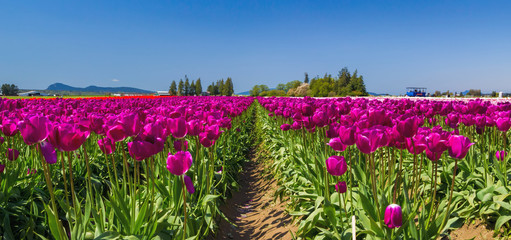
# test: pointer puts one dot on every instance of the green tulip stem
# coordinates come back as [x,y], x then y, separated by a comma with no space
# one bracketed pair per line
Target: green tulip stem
[327,182]
[88,169]
[373,175]
[434,185]
[64,177]
[71,181]
[47,175]
[115,169]
[397,186]
[351,180]
[450,197]
[184,206]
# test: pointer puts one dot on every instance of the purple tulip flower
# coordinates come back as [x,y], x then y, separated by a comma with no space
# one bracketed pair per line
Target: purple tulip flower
[336,165]
[189,184]
[106,145]
[49,153]
[341,187]
[179,163]
[459,146]
[393,216]
[501,155]
[12,154]
[34,129]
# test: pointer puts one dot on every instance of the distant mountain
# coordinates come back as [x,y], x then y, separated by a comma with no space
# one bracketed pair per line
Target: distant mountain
[247,93]
[96,89]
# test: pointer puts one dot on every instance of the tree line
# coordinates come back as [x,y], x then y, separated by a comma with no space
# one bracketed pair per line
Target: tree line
[185,88]
[221,88]
[344,84]
[10,89]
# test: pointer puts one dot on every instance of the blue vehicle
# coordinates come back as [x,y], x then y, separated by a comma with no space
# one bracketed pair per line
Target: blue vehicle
[416,91]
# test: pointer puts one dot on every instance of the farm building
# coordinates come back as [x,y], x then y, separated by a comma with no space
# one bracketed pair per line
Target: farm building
[162,93]
[32,93]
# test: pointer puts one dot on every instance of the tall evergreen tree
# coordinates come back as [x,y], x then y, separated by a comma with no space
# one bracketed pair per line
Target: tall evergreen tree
[187,87]
[306,78]
[216,89]
[180,88]
[192,89]
[229,87]
[220,90]
[211,88]
[342,82]
[198,87]
[173,88]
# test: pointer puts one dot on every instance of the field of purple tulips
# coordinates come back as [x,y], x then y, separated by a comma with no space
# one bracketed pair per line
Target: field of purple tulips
[158,168]
[119,168]
[391,168]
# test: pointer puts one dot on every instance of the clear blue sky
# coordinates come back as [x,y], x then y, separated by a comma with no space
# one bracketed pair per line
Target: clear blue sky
[441,45]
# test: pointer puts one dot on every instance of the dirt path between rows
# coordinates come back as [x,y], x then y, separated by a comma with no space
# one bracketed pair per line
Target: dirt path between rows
[252,210]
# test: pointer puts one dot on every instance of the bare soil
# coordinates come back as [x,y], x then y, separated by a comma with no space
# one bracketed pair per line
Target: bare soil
[252,211]
[475,231]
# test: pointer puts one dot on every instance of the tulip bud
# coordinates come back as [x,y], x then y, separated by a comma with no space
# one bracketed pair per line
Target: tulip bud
[285,127]
[393,216]
[204,141]
[177,127]
[341,187]
[12,154]
[336,165]
[34,129]
[189,184]
[337,145]
[503,124]
[307,110]
[181,145]
[49,153]
[459,146]
[106,145]
[500,155]
[179,163]
[9,128]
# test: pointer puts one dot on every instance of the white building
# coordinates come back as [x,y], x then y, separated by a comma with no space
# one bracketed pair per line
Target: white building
[162,93]
[32,93]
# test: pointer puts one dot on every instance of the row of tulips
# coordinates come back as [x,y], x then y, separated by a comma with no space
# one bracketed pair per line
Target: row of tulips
[404,169]
[117,168]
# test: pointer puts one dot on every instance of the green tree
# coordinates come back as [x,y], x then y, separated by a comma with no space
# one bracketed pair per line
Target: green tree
[198,87]
[211,88]
[173,88]
[180,88]
[192,88]
[229,87]
[186,87]
[357,85]
[292,84]
[281,87]
[320,87]
[220,87]
[306,80]
[341,84]
[258,89]
[9,89]
[273,92]
[214,89]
